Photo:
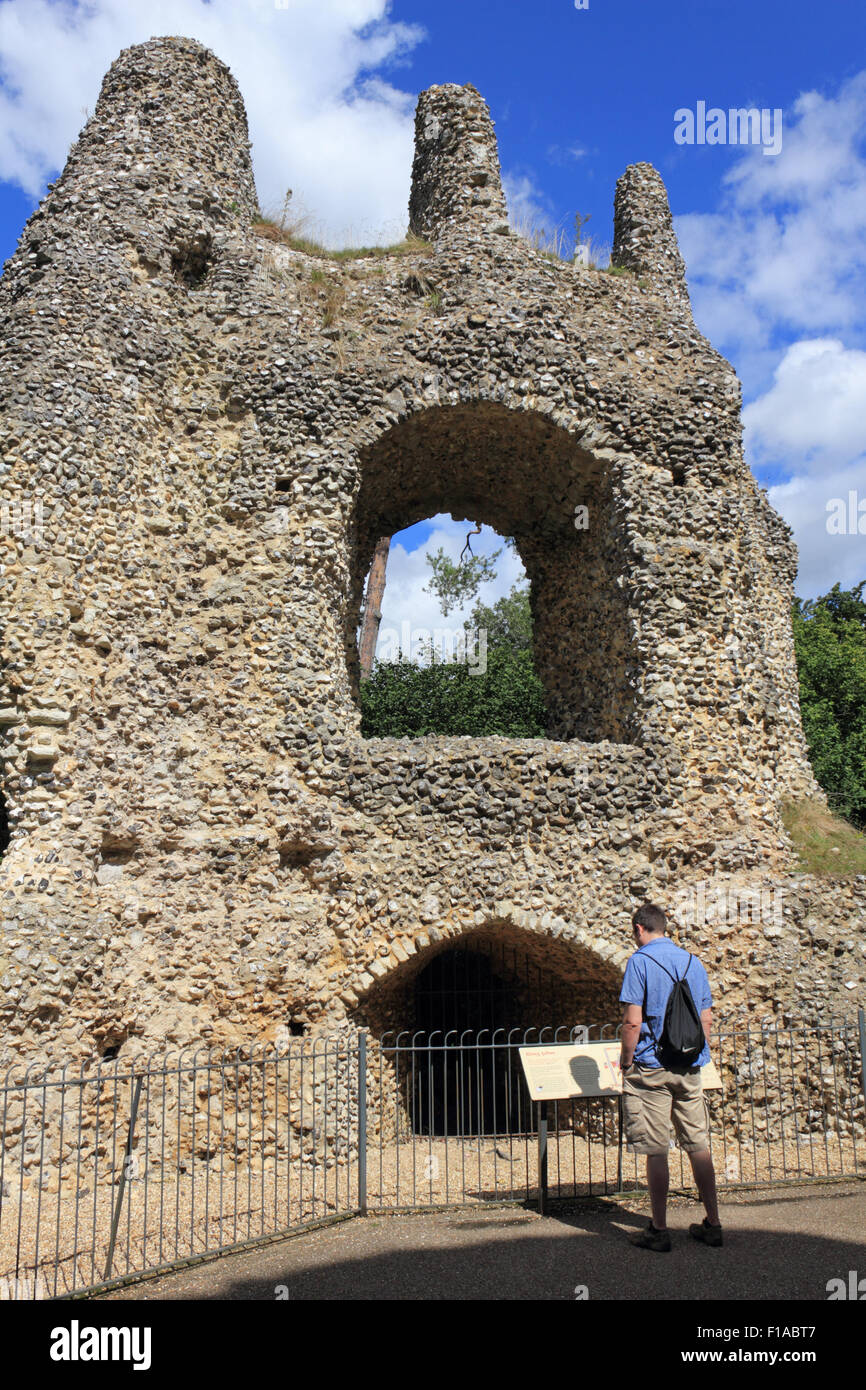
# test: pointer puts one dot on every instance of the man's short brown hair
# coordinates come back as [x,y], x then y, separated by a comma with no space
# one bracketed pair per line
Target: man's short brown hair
[650,917]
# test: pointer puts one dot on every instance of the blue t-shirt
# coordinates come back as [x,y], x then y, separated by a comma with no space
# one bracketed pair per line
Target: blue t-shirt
[643,979]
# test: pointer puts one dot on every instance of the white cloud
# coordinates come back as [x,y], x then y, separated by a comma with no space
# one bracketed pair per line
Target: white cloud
[564,154]
[811,425]
[787,244]
[807,504]
[405,601]
[323,117]
[814,415]
[528,207]
[782,258]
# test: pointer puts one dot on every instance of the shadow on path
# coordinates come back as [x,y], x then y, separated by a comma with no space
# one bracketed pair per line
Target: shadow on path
[777,1246]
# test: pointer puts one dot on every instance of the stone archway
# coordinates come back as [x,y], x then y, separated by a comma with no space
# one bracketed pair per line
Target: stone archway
[526,477]
[446,1025]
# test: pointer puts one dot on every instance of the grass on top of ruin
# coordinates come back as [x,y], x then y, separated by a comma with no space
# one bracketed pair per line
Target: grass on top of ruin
[271,229]
[559,244]
[556,245]
[825,843]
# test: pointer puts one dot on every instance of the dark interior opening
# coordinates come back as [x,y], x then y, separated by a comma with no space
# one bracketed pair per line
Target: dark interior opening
[448,1024]
[192,256]
[4,826]
[465,1084]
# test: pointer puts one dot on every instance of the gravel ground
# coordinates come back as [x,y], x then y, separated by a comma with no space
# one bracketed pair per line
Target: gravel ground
[779,1245]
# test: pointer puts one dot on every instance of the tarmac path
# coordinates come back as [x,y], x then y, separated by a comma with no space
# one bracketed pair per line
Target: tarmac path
[781,1244]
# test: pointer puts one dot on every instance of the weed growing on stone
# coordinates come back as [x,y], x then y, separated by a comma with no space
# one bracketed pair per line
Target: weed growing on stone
[269,229]
[561,246]
[334,296]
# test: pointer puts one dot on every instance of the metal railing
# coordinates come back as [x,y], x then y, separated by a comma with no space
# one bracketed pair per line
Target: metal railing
[113,1170]
[451,1119]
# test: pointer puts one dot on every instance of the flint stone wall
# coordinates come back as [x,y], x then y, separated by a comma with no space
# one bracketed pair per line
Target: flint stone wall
[216,430]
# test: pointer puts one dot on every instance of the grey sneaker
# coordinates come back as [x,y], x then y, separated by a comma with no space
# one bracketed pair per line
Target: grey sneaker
[705,1233]
[651,1239]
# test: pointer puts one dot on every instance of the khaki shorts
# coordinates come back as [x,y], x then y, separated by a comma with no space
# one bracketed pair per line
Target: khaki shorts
[651,1097]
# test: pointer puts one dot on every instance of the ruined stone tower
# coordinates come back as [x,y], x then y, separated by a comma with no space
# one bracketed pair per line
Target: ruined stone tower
[203,437]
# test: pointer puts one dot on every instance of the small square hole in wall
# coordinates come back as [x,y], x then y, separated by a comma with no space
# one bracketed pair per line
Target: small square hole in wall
[108,1044]
[192,257]
[298,856]
[117,854]
[283,485]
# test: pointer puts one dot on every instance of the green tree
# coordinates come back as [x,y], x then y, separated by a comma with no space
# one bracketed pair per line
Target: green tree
[495,691]
[454,585]
[405,700]
[508,623]
[830,641]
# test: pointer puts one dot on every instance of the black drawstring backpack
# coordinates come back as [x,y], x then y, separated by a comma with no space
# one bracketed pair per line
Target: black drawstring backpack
[682,1038]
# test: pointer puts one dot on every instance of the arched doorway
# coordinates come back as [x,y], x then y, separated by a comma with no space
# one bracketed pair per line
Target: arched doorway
[468,1080]
[448,1026]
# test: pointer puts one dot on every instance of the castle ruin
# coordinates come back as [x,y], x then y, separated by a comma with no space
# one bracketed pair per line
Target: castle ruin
[204,435]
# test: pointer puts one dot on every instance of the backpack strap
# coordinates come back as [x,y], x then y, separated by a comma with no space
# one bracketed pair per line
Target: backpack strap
[665,969]
[676,978]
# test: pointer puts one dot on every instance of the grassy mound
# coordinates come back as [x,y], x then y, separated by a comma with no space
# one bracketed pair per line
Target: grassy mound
[825,843]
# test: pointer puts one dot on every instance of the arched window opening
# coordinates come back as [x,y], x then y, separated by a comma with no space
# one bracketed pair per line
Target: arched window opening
[527,479]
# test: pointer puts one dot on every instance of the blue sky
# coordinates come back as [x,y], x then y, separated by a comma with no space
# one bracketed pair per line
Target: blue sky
[775,246]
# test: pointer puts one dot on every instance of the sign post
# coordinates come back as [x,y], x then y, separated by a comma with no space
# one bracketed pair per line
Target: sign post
[542,1156]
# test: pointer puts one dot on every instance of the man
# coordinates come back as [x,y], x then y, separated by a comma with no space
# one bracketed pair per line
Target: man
[653,1094]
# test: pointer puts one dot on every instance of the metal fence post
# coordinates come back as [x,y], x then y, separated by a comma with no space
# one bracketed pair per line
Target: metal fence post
[362,1124]
[123,1172]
